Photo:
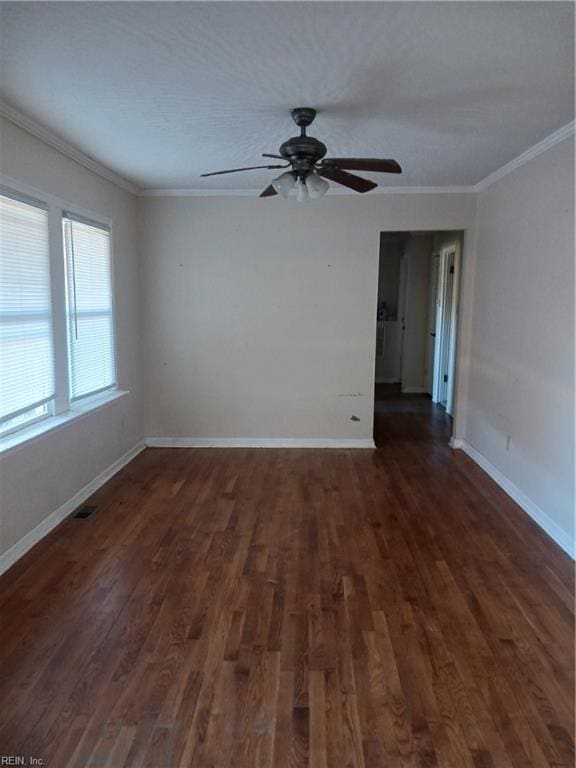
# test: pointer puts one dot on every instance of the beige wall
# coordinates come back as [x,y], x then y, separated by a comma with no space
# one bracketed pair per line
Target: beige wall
[38,477]
[418,251]
[391,251]
[260,314]
[522,352]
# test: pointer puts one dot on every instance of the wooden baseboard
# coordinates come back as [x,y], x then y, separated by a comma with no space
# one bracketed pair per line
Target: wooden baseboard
[50,522]
[537,514]
[258,442]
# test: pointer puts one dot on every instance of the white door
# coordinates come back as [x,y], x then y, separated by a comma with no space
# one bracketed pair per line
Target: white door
[436,388]
[453,332]
[431,322]
[446,325]
[446,334]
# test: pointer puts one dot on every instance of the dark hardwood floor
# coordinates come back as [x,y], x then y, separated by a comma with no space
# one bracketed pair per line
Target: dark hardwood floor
[286,608]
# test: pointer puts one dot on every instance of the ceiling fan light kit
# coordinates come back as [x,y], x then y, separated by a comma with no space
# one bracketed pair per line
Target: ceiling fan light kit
[309,168]
[317,186]
[285,183]
[310,187]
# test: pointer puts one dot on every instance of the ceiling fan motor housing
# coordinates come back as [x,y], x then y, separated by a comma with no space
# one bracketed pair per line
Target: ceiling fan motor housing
[303,152]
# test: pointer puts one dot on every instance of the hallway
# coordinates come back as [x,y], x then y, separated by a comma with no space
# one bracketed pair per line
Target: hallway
[408,417]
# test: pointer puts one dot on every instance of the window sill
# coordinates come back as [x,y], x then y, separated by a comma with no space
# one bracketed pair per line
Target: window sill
[35,431]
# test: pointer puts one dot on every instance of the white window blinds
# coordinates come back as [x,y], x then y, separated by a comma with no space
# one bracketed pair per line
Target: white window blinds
[89,308]
[26,357]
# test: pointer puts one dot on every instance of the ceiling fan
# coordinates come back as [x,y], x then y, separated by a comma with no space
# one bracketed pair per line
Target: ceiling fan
[309,169]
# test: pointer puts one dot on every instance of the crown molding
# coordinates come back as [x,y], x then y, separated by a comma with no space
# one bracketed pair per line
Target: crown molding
[53,140]
[550,141]
[186,192]
[66,148]
[448,190]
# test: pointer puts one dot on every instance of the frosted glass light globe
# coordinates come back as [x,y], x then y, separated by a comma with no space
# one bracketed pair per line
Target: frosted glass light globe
[284,184]
[317,186]
[302,194]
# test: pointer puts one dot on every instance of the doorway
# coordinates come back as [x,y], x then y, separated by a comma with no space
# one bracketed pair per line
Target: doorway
[417,318]
[446,319]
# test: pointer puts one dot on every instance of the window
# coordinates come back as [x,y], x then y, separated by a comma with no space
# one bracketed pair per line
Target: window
[88,308]
[26,356]
[56,313]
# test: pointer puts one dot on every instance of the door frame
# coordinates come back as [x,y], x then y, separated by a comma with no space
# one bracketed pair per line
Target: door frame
[453,332]
[431,348]
[452,320]
[464,242]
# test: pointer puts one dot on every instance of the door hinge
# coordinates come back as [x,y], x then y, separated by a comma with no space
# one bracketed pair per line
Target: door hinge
[445,377]
[452,270]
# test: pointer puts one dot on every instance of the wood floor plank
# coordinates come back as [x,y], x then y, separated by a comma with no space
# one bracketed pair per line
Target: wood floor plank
[294,609]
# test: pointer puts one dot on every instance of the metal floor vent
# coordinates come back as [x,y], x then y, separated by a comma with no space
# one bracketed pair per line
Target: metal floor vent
[85,512]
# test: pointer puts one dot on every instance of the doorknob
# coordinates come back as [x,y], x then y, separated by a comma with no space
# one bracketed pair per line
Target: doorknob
[432,334]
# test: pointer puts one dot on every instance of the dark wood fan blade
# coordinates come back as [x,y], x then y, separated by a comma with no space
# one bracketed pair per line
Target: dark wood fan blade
[364,164]
[276,157]
[268,192]
[250,168]
[347,179]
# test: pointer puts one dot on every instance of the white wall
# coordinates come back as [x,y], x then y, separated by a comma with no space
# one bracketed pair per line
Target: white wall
[522,352]
[37,478]
[260,313]
[418,251]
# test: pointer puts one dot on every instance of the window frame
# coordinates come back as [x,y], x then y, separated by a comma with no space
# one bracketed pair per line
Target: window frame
[71,215]
[61,406]
[33,200]
[33,420]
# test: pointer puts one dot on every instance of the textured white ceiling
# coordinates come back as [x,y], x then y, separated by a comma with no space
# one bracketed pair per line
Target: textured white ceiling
[162,92]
